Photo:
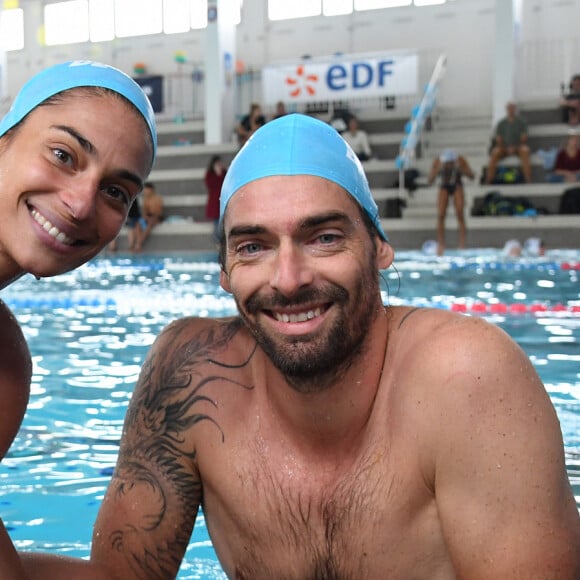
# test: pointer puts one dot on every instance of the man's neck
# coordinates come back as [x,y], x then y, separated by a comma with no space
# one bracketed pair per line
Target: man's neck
[341,408]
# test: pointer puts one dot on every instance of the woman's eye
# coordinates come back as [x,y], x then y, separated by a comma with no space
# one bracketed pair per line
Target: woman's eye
[118,193]
[62,156]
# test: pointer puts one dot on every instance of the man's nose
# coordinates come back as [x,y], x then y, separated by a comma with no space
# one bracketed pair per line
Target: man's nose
[292,269]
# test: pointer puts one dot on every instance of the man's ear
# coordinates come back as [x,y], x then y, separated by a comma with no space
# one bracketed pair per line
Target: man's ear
[385,254]
[225,281]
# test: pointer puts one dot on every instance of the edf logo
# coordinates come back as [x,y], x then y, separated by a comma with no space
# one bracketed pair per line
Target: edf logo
[358,75]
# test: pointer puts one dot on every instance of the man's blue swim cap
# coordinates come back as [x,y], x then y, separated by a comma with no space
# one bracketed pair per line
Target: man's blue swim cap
[78,73]
[300,145]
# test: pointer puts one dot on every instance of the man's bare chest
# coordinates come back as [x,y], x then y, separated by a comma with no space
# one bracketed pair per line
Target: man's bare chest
[284,520]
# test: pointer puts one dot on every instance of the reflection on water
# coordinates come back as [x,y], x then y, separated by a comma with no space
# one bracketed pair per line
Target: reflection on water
[90,330]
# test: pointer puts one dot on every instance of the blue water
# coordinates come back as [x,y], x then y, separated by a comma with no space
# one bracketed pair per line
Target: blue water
[90,330]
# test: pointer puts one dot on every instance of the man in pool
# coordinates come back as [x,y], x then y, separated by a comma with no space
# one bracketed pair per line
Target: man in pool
[75,149]
[324,434]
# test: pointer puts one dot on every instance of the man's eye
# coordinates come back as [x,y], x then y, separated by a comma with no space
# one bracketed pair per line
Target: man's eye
[249,249]
[327,238]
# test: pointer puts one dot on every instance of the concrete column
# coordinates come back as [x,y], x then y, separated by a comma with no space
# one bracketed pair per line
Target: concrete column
[220,82]
[507,35]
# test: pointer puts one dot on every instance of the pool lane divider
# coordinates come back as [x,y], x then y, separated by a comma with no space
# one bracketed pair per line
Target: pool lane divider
[515,265]
[463,306]
[515,308]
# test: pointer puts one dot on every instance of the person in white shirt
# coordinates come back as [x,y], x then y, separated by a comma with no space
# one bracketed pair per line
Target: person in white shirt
[358,140]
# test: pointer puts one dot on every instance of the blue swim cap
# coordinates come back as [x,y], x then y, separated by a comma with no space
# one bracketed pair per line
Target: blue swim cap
[300,145]
[448,155]
[78,73]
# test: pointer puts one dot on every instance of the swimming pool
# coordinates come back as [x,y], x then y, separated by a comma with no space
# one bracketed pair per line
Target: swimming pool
[89,332]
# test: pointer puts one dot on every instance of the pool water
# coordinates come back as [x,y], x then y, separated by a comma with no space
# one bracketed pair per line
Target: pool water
[89,332]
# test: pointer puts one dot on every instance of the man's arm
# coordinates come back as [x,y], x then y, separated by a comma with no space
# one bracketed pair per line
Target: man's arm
[148,513]
[505,503]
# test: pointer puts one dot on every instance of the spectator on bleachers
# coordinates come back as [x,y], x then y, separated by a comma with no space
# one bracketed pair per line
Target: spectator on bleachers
[280,110]
[134,225]
[570,102]
[567,164]
[450,167]
[358,139]
[250,122]
[510,138]
[214,179]
[152,210]
[340,119]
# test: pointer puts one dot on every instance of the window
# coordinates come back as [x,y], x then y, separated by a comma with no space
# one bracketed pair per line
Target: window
[428,2]
[75,12]
[336,7]
[176,16]
[375,4]
[136,17]
[283,9]
[101,20]
[12,29]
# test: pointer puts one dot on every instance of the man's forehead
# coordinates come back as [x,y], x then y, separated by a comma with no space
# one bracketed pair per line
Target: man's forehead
[289,194]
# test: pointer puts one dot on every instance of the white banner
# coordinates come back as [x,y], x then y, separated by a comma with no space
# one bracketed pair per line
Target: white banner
[346,77]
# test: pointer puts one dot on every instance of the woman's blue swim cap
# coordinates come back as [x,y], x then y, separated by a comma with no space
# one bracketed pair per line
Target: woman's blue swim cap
[78,73]
[300,145]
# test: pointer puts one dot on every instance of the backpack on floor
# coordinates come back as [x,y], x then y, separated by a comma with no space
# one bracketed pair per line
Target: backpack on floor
[570,201]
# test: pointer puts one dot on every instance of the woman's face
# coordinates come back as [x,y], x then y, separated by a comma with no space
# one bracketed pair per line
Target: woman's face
[68,175]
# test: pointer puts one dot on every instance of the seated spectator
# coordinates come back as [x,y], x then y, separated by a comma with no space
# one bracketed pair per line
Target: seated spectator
[250,122]
[567,164]
[570,102]
[152,210]
[134,225]
[511,136]
[340,119]
[280,110]
[357,139]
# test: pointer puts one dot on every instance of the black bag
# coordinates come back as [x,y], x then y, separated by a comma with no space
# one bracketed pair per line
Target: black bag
[570,201]
[495,203]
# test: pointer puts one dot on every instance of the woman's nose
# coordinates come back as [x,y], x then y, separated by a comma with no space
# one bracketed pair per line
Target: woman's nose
[80,197]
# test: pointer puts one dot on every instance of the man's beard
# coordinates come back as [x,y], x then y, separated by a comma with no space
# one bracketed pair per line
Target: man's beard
[312,363]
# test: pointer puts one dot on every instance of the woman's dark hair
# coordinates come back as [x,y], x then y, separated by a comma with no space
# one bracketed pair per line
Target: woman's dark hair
[212,161]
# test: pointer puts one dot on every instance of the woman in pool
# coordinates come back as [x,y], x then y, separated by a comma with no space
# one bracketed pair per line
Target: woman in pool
[75,149]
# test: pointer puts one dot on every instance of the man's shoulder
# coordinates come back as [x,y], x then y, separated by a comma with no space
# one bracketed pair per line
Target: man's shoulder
[192,328]
[436,335]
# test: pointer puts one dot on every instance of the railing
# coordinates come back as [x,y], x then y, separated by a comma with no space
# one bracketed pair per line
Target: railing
[416,124]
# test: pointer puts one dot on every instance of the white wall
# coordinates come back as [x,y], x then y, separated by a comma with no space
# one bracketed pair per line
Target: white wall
[464,30]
